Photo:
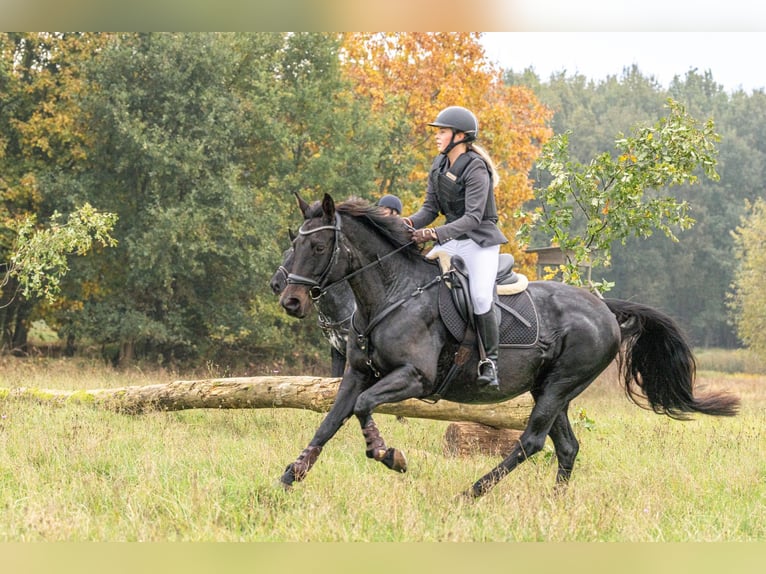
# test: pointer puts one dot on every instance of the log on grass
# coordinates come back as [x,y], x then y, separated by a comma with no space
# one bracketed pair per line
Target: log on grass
[467,438]
[312,393]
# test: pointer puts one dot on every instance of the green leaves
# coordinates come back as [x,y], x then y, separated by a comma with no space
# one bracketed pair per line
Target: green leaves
[40,257]
[587,207]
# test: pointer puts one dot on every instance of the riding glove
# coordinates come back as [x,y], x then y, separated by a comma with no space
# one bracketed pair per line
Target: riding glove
[423,235]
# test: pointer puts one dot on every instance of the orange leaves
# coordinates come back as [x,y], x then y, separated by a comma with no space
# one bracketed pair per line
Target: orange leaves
[50,81]
[419,72]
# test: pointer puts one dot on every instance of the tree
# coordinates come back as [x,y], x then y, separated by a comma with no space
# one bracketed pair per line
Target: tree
[197,143]
[167,136]
[690,278]
[585,208]
[40,83]
[748,297]
[701,266]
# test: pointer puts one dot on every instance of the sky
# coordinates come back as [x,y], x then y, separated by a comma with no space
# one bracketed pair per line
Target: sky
[734,58]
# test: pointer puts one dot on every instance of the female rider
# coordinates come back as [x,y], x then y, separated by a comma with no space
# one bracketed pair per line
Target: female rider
[461,186]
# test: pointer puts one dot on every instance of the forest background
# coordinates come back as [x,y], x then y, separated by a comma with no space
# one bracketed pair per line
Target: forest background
[198,141]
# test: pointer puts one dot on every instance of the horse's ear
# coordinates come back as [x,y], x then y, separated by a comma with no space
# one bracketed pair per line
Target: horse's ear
[328,207]
[291,234]
[302,204]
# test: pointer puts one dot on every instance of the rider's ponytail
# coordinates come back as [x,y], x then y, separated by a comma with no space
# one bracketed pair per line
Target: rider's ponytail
[486,157]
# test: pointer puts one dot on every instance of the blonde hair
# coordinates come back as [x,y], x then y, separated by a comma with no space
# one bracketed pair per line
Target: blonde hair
[486,157]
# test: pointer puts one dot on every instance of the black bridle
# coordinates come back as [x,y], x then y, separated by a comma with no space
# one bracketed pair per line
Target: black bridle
[318,287]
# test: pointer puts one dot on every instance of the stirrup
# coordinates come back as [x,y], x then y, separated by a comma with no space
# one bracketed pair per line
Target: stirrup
[490,379]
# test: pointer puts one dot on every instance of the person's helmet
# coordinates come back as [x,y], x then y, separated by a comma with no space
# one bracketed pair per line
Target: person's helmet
[459,119]
[392,202]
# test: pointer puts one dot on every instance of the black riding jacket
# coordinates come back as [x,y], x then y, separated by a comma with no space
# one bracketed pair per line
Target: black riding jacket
[463,193]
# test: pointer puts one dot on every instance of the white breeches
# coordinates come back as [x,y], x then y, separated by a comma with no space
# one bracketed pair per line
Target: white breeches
[482,265]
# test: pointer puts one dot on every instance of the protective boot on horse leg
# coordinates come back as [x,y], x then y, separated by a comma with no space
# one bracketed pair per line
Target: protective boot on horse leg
[489,341]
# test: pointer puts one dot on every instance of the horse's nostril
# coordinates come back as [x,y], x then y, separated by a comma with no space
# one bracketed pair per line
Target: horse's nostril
[293,306]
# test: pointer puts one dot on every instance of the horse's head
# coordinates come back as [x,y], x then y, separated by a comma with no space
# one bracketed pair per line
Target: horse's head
[315,254]
[278,281]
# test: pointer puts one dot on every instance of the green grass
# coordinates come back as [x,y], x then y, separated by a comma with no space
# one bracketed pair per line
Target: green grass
[76,473]
[731,361]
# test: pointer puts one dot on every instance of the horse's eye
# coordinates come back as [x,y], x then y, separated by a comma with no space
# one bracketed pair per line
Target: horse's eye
[320,248]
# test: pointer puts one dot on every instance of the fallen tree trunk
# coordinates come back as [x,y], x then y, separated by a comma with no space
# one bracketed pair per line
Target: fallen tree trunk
[311,393]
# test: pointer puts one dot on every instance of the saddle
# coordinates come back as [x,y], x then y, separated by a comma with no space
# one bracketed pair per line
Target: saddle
[517,315]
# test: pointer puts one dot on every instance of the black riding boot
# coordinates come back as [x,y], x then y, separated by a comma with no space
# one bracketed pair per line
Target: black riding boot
[489,333]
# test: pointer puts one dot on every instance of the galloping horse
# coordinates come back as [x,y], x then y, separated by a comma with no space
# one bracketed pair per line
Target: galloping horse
[399,348]
[334,308]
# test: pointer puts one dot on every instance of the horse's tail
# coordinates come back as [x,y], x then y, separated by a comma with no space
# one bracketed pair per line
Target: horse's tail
[657,359]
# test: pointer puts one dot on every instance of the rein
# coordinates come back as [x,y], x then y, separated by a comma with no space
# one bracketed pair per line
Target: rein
[378,261]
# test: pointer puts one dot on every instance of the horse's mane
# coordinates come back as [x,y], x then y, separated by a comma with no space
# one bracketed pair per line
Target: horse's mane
[391,228]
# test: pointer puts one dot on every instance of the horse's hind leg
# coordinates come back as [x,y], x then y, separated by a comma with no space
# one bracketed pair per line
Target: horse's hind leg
[532,441]
[566,445]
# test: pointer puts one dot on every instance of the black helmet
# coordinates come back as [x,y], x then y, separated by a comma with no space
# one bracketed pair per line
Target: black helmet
[392,202]
[459,119]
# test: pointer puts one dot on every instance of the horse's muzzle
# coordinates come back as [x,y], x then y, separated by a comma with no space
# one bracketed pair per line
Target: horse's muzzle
[294,302]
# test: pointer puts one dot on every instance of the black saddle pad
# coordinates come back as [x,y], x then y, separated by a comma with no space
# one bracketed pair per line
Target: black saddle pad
[519,325]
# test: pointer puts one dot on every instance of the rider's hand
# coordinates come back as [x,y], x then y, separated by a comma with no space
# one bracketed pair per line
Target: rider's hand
[423,235]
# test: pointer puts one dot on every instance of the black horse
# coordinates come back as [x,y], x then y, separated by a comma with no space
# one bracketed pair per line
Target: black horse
[334,309]
[399,347]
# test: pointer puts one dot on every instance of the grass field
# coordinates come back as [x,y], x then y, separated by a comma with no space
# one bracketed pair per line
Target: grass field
[76,473]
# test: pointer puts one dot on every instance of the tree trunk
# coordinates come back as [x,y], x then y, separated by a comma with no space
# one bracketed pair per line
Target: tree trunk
[125,357]
[311,393]
[467,438]
[20,337]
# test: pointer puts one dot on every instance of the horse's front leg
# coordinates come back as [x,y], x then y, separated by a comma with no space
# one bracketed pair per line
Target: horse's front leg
[341,410]
[401,384]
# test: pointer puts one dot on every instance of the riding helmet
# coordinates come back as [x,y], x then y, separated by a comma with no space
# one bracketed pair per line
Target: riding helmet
[459,119]
[392,202]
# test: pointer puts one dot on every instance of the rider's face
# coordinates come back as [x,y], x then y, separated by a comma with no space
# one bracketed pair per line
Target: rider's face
[444,137]
[388,212]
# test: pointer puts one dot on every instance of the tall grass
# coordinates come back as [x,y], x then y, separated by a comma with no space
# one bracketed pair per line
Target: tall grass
[74,473]
[731,361]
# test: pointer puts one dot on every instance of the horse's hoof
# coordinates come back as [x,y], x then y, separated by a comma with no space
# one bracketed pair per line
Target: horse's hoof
[395,460]
[472,493]
[287,479]
[287,487]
